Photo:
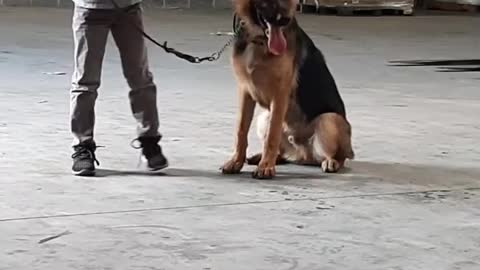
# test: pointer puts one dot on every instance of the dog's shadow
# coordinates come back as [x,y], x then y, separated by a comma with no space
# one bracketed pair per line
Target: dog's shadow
[246,174]
[394,173]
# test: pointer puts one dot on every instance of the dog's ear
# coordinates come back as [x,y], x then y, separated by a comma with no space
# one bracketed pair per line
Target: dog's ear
[292,6]
[241,7]
[293,2]
[239,3]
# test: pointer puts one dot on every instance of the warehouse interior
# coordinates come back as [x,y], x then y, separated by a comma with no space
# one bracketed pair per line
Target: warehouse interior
[408,72]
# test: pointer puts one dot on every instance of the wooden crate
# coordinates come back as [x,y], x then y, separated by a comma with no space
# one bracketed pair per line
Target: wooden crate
[471,6]
[348,7]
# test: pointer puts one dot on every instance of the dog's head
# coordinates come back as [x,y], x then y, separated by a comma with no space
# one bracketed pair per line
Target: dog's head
[272,17]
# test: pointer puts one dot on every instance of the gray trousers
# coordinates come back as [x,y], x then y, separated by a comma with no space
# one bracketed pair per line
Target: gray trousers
[91,28]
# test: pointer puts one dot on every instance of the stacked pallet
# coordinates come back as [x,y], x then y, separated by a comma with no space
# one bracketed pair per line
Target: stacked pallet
[472,6]
[350,7]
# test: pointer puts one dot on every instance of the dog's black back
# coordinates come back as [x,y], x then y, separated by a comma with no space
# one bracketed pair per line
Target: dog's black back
[317,91]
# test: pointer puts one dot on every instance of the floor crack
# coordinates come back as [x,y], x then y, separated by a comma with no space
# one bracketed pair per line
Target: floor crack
[234,204]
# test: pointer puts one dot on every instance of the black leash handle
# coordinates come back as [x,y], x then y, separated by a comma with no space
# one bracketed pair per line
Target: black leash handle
[192,59]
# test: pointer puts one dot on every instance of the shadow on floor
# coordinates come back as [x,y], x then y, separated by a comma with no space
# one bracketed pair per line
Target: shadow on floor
[394,173]
[212,174]
[419,174]
[461,65]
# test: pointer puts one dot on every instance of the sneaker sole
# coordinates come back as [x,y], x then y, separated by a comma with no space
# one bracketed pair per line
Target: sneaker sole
[84,173]
[158,168]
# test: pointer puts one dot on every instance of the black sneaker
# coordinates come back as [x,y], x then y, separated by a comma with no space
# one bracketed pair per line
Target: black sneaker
[84,160]
[152,152]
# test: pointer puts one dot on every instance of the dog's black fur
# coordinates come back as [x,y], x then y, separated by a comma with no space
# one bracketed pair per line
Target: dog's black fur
[317,91]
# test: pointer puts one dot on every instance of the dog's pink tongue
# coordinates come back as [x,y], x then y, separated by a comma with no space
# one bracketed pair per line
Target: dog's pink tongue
[277,44]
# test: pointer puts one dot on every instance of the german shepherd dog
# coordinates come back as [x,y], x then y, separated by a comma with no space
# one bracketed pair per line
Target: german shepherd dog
[278,67]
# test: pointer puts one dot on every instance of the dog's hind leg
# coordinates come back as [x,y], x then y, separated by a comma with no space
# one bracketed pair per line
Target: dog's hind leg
[331,144]
[255,159]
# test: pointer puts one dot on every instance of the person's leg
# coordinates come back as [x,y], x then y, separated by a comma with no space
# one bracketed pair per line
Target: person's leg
[143,91]
[90,31]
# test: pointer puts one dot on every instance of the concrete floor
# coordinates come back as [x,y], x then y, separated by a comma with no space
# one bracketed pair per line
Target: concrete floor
[411,200]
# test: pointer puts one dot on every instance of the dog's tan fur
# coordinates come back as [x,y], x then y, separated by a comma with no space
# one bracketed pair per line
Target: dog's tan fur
[269,81]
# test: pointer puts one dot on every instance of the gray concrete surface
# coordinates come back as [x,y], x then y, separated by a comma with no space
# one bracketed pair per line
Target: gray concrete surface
[410,201]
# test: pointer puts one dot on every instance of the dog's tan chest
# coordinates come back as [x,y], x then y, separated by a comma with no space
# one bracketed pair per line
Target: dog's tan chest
[261,74]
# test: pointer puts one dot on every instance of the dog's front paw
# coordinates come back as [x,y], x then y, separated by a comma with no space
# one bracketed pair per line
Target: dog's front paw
[330,166]
[264,171]
[233,166]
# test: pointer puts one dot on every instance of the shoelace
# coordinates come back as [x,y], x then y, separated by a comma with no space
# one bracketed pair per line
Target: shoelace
[86,153]
[132,144]
[147,151]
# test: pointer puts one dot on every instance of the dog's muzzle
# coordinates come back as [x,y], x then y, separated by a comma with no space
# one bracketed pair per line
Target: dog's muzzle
[277,21]
[274,31]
